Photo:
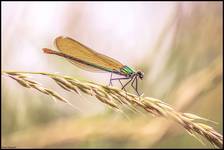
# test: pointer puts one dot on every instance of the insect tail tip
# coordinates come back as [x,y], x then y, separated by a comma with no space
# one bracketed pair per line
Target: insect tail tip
[46,50]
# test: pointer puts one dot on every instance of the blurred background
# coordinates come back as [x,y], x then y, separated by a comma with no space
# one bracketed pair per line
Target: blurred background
[178,45]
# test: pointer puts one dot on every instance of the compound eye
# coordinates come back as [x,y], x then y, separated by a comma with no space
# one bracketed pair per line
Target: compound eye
[141,75]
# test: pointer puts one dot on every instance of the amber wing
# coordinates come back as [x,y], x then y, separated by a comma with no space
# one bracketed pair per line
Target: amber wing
[75,49]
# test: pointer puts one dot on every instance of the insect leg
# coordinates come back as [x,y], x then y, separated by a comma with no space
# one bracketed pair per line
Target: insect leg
[119,79]
[122,84]
[133,82]
[127,83]
[136,85]
[111,79]
[125,78]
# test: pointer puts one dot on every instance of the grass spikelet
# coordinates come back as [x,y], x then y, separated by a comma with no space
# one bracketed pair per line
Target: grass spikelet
[116,98]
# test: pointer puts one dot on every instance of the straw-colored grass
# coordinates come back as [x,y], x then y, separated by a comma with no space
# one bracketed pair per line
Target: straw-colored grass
[117,98]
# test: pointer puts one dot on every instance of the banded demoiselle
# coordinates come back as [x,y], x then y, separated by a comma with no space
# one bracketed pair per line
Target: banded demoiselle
[90,60]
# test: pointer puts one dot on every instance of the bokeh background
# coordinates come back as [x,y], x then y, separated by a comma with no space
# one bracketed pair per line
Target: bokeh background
[178,45]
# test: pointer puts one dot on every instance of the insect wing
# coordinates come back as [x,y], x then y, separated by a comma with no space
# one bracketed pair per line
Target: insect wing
[76,49]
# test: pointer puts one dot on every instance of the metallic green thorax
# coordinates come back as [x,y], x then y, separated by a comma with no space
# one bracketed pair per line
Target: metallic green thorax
[127,70]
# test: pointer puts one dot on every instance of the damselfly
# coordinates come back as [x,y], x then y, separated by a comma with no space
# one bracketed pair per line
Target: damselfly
[88,59]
